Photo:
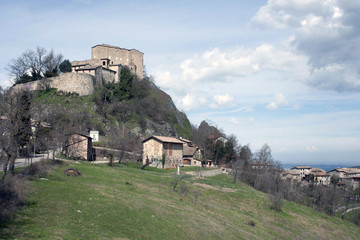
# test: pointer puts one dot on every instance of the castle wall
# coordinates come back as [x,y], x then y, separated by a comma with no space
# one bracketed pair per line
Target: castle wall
[117,69]
[108,76]
[81,83]
[121,56]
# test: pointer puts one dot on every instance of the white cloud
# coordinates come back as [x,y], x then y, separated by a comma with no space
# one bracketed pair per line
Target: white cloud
[225,100]
[163,78]
[279,101]
[311,148]
[217,65]
[327,32]
[234,120]
[190,102]
[283,149]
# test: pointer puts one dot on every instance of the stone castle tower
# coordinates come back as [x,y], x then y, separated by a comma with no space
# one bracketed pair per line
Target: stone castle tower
[107,61]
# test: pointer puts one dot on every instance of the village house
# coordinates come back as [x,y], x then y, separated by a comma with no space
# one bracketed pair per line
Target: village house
[292,175]
[318,176]
[192,155]
[303,170]
[347,176]
[155,147]
[79,146]
[344,173]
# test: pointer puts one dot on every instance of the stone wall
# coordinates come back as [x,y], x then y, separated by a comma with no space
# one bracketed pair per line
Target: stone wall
[121,56]
[152,149]
[80,83]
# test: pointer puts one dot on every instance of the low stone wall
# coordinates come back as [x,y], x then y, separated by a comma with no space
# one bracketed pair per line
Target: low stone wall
[208,173]
[80,83]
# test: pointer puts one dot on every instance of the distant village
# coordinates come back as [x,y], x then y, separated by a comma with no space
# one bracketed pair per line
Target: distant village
[341,177]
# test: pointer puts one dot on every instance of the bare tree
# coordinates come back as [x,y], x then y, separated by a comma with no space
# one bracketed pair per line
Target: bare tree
[264,155]
[52,62]
[15,126]
[33,64]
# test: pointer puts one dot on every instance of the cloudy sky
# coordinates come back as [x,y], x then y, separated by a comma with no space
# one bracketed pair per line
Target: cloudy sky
[282,72]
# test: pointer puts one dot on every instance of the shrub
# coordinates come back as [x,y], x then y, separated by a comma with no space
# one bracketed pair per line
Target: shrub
[276,201]
[65,66]
[12,196]
[38,169]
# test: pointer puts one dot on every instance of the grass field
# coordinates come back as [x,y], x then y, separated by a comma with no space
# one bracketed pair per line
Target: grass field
[124,202]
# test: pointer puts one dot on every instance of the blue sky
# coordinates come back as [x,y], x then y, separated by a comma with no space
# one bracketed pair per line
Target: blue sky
[280,72]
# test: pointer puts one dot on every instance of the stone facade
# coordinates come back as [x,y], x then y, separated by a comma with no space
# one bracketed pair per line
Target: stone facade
[79,146]
[81,83]
[155,146]
[107,57]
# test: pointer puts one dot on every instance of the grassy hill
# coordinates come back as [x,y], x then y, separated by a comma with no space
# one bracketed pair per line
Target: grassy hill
[124,202]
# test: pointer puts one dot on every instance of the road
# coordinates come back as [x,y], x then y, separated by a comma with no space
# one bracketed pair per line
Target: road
[21,162]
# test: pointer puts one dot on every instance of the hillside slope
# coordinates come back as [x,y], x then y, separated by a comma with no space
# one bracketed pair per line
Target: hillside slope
[125,202]
[145,111]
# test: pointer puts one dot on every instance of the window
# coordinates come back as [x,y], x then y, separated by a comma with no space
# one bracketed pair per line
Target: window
[170,149]
[103,63]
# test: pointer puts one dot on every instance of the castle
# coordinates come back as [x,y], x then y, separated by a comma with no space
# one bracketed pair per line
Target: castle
[105,65]
[107,61]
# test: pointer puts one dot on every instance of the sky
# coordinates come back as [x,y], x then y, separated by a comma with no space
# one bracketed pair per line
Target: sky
[281,72]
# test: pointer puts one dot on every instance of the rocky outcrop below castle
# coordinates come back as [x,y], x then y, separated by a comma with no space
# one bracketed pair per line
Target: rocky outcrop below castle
[80,83]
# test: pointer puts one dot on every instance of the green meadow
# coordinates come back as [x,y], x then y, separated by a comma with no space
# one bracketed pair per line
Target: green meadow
[125,202]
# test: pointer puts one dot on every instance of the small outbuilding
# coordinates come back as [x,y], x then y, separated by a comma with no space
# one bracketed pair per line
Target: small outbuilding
[79,146]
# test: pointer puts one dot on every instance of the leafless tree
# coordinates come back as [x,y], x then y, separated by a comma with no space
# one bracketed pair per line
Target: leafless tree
[264,155]
[33,64]
[52,61]
[15,126]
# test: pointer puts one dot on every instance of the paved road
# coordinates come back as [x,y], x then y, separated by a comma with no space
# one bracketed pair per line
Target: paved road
[21,162]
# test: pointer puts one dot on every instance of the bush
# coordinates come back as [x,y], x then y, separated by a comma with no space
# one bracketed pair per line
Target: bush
[65,66]
[12,196]
[38,169]
[276,201]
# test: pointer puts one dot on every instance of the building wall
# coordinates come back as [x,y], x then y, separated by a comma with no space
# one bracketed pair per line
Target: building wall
[81,83]
[174,154]
[121,56]
[78,147]
[152,149]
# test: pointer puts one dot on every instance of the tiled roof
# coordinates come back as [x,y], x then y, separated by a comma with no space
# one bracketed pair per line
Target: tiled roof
[185,140]
[165,139]
[317,170]
[189,151]
[301,167]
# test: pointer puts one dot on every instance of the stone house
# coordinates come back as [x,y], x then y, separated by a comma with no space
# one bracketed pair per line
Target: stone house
[292,175]
[192,155]
[303,170]
[318,176]
[344,173]
[79,146]
[155,147]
